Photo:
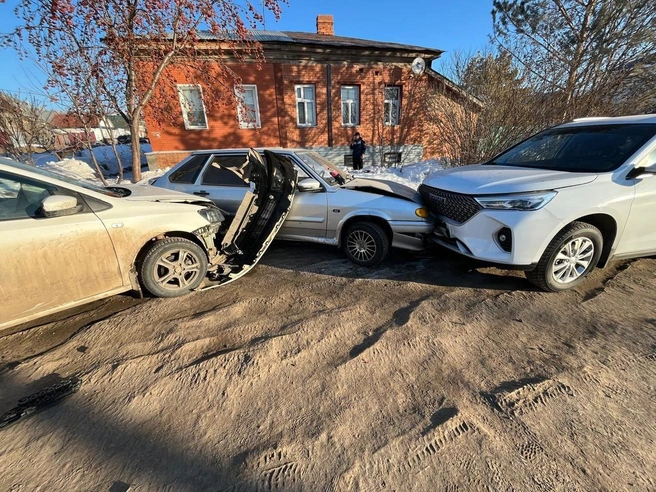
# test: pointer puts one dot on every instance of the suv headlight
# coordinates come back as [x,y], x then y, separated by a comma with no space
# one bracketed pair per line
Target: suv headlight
[211,215]
[519,201]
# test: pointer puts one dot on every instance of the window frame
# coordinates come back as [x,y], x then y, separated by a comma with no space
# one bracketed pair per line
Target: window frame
[208,167]
[52,190]
[399,91]
[187,124]
[351,101]
[313,103]
[246,124]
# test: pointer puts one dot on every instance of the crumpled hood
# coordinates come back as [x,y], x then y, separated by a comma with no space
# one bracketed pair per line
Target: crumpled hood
[483,179]
[388,187]
[145,193]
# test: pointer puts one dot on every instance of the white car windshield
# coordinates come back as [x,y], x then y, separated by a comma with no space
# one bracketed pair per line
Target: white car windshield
[594,148]
[323,167]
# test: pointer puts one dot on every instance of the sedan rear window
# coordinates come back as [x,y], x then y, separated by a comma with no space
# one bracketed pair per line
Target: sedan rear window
[215,175]
[594,148]
[189,171]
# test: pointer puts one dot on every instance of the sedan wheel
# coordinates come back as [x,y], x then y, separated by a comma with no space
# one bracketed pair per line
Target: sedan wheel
[366,244]
[173,267]
[569,258]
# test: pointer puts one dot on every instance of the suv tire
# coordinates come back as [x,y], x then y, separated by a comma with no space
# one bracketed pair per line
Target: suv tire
[366,244]
[569,258]
[173,267]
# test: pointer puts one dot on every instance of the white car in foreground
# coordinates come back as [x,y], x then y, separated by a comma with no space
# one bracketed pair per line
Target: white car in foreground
[556,205]
[66,242]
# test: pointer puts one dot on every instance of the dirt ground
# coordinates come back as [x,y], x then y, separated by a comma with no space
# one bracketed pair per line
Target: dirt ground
[426,373]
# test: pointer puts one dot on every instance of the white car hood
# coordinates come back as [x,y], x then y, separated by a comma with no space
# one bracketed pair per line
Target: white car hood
[492,179]
[144,193]
[387,187]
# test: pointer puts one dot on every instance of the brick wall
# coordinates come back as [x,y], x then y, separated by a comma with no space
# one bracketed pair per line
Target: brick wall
[278,112]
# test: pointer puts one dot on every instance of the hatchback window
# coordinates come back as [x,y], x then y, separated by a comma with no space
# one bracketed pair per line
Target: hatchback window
[189,171]
[595,148]
[20,198]
[216,175]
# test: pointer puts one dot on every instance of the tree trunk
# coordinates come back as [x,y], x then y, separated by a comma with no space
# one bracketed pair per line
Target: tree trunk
[136,150]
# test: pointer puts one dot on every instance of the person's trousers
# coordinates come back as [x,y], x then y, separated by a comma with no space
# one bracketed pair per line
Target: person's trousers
[357,163]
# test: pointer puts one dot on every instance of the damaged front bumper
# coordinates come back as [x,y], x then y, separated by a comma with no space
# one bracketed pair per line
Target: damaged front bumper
[257,221]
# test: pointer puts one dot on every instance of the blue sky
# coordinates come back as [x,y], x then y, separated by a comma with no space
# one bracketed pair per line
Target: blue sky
[448,25]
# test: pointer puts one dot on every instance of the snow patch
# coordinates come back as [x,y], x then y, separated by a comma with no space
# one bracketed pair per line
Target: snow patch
[411,175]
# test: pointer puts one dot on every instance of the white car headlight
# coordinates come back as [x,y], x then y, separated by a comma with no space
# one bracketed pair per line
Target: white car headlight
[519,201]
[211,215]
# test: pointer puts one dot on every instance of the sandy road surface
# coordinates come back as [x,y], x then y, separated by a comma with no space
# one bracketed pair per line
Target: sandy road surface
[312,374]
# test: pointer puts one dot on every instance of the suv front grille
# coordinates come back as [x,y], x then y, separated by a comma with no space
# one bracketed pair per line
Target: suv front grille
[455,206]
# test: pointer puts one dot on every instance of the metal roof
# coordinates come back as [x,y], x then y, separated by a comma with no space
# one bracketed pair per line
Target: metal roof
[305,38]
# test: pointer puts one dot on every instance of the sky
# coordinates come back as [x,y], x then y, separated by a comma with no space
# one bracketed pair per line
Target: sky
[449,25]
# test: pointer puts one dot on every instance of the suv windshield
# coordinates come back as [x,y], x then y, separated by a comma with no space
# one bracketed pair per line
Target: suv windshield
[323,167]
[594,148]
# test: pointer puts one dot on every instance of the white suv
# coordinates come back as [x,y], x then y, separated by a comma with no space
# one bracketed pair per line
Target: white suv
[556,205]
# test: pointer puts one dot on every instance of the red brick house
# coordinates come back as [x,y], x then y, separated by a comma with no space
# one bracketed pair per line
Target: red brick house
[315,90]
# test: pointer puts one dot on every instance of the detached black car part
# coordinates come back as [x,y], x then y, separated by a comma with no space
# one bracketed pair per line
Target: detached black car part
[40,400]
[259,217]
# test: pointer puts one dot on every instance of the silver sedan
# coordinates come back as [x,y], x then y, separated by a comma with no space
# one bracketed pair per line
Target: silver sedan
[363,216]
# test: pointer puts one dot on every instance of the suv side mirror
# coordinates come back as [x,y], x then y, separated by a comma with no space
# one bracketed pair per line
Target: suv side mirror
[641,171]
[59,205]
[309,184]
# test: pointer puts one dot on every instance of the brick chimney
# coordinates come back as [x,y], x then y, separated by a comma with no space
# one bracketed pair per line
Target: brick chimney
[325,25]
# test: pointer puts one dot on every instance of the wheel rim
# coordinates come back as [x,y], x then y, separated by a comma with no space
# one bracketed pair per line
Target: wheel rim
[177,269]
[361,245]
[572,260]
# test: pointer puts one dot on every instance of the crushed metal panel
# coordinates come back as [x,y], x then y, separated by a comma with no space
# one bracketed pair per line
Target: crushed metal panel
[258,219]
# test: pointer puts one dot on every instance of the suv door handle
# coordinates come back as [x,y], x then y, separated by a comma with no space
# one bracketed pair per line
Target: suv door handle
[201,193]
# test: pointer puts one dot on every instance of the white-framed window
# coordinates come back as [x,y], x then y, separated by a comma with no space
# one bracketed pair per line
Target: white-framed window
[392,105]
[193,108]
[306,107]
[248,108]
[350,105]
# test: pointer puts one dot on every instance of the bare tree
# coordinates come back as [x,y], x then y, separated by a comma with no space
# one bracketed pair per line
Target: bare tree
[580,53]
[128,46]
[23,127]
[487,107]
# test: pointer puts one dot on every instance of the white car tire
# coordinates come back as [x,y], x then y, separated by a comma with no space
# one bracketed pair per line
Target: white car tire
[569,258]
[173,267]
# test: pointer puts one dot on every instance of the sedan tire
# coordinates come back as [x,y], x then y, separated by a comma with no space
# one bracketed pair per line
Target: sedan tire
[366,244]
[569,258]
[173,267]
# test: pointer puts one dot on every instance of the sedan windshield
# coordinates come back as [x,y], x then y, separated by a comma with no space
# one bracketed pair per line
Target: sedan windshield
[323,167]
[594,148]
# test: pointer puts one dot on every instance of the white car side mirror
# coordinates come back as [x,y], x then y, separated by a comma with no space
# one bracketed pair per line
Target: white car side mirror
[309,184]
[642,172]
[59,205]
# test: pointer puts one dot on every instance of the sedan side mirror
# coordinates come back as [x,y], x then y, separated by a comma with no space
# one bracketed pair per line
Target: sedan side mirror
[309,184]
[641,171]
[59,205]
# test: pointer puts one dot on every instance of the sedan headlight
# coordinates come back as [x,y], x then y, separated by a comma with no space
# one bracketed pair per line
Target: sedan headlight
[519,201]
[211,215]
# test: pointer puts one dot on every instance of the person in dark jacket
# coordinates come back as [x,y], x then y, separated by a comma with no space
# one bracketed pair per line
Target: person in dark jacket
[359,148]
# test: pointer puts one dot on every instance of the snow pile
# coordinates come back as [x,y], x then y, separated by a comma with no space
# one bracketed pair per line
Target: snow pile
[411,175]
[77,169]
[71,168]
[104,154]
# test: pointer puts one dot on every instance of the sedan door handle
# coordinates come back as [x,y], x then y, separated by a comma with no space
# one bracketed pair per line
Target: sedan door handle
[201,193]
